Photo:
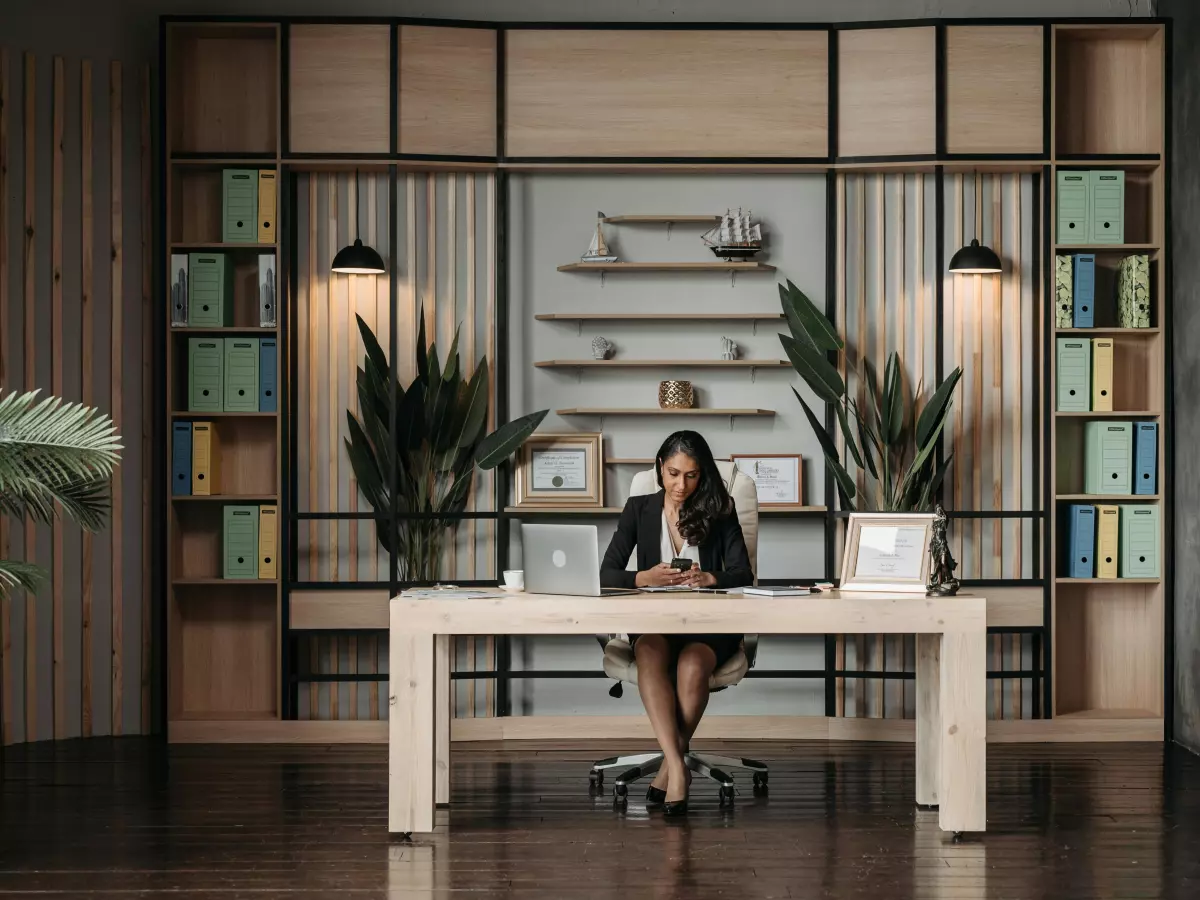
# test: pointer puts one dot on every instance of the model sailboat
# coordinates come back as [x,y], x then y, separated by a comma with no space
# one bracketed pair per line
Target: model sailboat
[734,237]
[597,251]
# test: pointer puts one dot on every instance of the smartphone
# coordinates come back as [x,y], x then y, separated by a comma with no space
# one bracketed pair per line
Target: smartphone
[682,564]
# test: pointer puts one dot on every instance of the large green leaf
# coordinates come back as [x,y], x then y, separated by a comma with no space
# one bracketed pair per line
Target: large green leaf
[847,435]
[422,346]
[923,453]
[870,444]
[376,358]
[930,488]
[892,411]
[452,370]
[814,368]
[503,442]
[474,402]
[801,311]
[935,410]
[844,482]
[16,575]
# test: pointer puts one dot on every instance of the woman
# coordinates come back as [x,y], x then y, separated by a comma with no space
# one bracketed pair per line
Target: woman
[693,518]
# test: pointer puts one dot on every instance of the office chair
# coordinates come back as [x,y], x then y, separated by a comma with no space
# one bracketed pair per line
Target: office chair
[619,664]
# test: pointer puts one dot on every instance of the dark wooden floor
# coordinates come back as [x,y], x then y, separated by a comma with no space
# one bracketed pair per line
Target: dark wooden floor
[131,818]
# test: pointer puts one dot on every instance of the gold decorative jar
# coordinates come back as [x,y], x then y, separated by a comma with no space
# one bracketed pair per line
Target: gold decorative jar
[676,395]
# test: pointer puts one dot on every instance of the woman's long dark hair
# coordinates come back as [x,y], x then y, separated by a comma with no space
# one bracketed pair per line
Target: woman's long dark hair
[710,500]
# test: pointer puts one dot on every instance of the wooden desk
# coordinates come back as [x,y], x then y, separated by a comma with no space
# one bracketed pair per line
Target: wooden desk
[951,674]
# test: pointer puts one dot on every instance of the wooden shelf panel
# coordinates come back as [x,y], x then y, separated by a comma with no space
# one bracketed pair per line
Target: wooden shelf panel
[1103,332]
[228,329]
[220,581]
[180,246]
[187,414]
[1108,580]
[1109,714]
[248,160]
[1106,248]
[657,317]
[1117,414]
[649,411]
[1108,498]
[660,220]
[667,267]
[218,716]
[778,511]
[225,498]
[661,364]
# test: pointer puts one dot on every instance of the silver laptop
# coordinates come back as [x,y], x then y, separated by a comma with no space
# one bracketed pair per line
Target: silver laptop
[564,559]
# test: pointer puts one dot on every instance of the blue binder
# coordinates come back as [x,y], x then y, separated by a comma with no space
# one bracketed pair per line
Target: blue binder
[1082,538]
[181,459]
[1145,457]
[268,390]
[1085,290]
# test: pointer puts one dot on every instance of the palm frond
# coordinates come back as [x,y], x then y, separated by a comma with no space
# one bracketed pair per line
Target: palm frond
[19,576]
[54,452]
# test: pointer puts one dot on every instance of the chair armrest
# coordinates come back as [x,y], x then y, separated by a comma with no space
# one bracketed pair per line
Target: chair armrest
[750,647]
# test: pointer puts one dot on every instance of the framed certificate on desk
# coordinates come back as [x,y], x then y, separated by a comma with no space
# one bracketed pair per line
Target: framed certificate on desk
[560,470]
[778,477]
[887,552]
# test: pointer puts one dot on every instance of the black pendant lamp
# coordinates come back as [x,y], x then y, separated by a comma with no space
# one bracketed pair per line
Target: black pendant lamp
[358,258]
[976,258]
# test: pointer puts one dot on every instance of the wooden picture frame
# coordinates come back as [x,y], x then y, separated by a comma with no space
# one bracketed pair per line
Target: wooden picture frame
[886,567]
[576,458]
[786,496]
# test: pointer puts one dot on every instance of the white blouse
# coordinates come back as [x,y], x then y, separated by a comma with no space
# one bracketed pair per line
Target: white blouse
[667,546]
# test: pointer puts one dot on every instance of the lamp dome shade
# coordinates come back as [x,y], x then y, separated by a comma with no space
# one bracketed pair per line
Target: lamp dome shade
[359,259]
[975,259]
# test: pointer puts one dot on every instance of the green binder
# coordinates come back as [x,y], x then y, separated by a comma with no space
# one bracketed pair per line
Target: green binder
[1140,535]
[241,374]
[1074,196]
[1107,206]
[1074,374]
[1108,458]
[206,362]
[210,292]
[239,206]
[241,542]
[1064,286]
[1133,291]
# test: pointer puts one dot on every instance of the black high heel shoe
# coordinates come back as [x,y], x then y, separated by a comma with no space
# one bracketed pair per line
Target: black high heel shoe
[676,809]
[655,796]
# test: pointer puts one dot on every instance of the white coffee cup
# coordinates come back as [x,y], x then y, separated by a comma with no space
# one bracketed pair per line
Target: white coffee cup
[514,579]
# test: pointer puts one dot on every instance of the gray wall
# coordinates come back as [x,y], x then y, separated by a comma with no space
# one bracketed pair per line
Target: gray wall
[1185,311]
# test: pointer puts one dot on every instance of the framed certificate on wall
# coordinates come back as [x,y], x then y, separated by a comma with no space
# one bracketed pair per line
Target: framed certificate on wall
[560,470]
[887,552]
[778,477]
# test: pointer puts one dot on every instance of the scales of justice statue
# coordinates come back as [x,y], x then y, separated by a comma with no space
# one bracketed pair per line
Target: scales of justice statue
[942,582]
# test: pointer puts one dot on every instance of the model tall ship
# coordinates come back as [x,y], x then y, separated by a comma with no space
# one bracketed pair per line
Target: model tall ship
[735,237]
[597,251]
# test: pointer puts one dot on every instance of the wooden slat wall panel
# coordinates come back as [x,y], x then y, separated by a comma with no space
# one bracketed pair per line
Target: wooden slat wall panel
[440,254]
[66,665]
[595,92]
[885,250]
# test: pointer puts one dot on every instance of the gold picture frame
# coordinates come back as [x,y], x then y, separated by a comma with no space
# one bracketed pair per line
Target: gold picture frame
[560,470]
[887,552]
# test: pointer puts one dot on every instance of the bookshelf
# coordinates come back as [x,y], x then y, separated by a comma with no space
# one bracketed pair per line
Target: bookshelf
[1108,113]
[223,653]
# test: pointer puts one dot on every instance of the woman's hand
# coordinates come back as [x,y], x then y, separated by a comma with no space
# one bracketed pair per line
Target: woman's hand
[662,575]
[697,579]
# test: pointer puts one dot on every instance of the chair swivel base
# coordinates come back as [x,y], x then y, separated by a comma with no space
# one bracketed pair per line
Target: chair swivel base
[706,765]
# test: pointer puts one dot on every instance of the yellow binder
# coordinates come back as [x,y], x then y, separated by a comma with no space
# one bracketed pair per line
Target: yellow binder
[206,457]
[1107,544]
[266,206]
[1102,374]
[267,543]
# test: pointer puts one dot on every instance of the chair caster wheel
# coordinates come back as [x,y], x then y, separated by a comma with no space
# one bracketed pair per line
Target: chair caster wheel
[957,837]
[760,783]
[620,791]
[596,777]
[726,796]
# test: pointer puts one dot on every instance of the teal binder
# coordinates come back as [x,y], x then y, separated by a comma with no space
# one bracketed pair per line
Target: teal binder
[1140,541]
[210,290]
[1108,458]
[239,206]
[206,363]
[241,542]
[1074,374]
[241,374]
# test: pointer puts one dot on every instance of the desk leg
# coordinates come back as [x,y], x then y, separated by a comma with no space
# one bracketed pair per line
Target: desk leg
[443,713]
[411,732]
[929,717]
[963,789]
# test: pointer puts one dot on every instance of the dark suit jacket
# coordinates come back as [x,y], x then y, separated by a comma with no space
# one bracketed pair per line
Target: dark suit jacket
[724,553]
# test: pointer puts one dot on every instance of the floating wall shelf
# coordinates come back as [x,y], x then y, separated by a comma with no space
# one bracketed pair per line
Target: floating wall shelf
[530,511]
[650,411]
[667,267]
[661,363]
[662,317]
[660,220]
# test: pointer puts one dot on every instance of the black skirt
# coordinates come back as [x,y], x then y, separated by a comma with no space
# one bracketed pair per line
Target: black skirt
[725,646]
